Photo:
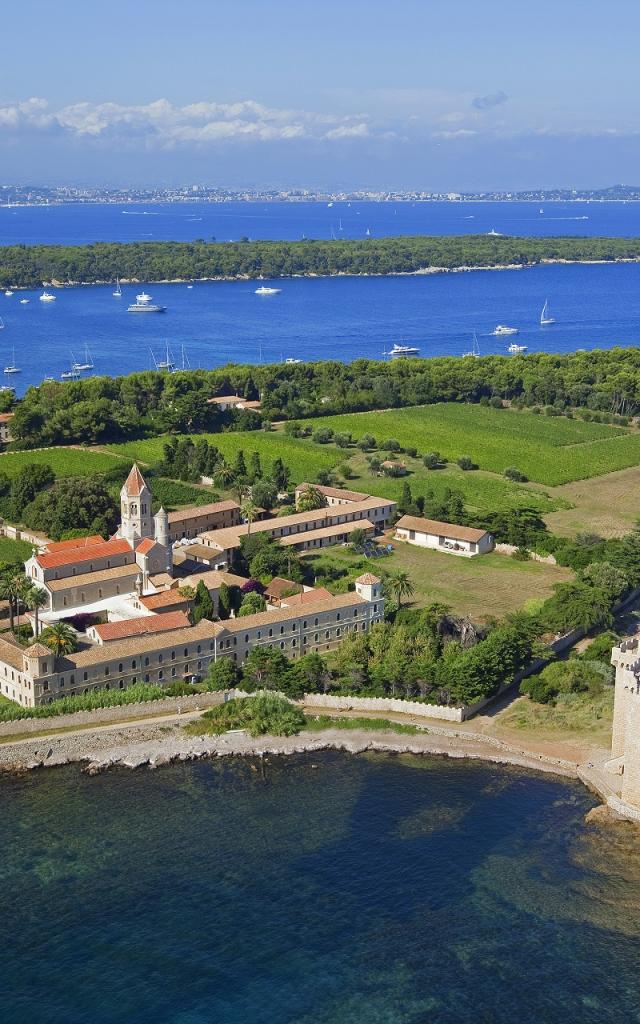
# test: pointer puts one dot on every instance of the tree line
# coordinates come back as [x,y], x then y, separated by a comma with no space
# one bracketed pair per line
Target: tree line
[603,383]
[30,266]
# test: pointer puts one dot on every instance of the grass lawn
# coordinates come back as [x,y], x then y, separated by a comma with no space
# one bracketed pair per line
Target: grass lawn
[576,715]
[14,550]
[606,505]
[63,461]
[548,450]
[481,587]
[303,458]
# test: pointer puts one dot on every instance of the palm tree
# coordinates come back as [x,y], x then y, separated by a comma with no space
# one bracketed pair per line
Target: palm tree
[249,512]
[61,638]
[23,587]
[11,588]
[400,585]
[224,475]
[36,598]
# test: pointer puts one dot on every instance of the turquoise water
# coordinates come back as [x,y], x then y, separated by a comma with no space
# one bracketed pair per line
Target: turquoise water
[324,890]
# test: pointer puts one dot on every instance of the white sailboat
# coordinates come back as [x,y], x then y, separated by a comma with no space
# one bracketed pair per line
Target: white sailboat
[475,351]
[118,292]
[1,324]
[167,363]
[88,361]
[12,368]
[545,317]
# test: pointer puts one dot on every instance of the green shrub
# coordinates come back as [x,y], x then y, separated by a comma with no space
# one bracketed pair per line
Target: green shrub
[260,714]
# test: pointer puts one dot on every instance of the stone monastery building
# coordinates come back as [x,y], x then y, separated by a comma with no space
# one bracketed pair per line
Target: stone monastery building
[139,629]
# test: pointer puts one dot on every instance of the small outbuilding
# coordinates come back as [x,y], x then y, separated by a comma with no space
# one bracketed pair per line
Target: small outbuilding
[455,540]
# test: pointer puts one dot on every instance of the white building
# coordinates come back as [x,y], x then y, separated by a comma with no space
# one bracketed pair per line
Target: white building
[456,540]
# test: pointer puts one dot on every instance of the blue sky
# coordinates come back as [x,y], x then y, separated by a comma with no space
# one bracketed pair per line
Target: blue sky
[431,94]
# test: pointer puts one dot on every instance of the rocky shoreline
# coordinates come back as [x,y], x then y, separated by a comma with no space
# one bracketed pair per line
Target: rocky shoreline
[155,744]
[420,272]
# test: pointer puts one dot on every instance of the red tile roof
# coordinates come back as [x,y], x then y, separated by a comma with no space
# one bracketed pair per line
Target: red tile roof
[6,417]
[76,542]
[368,579]
[134,482]
[105,549]
[146,624]
[145,545]
[163,599]
[307,597]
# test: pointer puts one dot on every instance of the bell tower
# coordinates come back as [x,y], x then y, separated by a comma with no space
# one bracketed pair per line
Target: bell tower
[136,521]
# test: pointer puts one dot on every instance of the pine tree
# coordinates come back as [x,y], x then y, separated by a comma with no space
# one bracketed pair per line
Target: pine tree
[203,607]
[255,472]
[224,602]
[406,498]
[239,466]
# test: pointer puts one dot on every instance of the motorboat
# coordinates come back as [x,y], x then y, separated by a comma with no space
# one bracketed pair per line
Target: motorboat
[403,350]
[264,290]
[545,316]
[8,293]
[143,304]
[516,349]
[502,329]
[290,361]
[24,302]
[47,297]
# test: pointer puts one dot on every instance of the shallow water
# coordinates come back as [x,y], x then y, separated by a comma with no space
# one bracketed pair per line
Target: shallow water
[325,890]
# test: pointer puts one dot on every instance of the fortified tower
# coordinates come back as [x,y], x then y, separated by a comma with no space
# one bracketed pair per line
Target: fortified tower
[625,742]
[135,506]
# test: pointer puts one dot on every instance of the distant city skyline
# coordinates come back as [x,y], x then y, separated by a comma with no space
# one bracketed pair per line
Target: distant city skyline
[356,95]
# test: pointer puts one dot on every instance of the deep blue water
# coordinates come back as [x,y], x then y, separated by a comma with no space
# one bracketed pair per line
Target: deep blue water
[337,318]
[331,890]
[76,225]
[341,318]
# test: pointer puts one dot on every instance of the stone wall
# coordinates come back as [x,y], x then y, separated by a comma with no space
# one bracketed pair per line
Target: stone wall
[115,713]
[404,707]
[509,549]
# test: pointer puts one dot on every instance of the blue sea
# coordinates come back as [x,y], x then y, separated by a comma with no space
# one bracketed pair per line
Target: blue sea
[336,318]
[137,222]
[322,889]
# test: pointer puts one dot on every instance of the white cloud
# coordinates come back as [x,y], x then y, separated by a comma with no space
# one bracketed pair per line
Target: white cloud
[164,124]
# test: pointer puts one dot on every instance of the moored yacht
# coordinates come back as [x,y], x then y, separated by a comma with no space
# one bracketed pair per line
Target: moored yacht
[47,296]
[502,329]
[264,290]
[12,368]
[514,348]
[117,294]
[143,304]
[403,350]
[8,293]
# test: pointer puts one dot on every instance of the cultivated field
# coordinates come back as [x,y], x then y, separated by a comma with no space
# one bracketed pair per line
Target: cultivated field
[303,458]
[548,450]
[63,461]
[606,505]
[482,492]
